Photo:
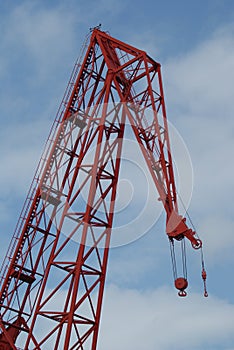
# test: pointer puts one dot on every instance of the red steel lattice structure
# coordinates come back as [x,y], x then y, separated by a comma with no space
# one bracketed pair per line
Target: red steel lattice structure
[55,269]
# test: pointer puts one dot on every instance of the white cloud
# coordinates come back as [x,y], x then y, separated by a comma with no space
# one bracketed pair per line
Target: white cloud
[199,92]
[21,145]
[43,37]
[218,239]
[202,79]
[36,48]
[157,320]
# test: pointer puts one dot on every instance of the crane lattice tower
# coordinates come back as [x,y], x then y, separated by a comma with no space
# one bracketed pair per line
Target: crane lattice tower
[53,276]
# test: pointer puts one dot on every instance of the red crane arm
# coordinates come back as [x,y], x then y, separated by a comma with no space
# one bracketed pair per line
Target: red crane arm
[56,266]
[151,131]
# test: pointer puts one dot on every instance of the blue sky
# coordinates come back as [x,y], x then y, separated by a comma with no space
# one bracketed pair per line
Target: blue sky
[194,42]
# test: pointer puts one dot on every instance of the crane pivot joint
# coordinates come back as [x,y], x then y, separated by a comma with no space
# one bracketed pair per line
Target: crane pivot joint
[178,229]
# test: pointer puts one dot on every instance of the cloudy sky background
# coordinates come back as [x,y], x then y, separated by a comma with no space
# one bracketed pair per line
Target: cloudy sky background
[194,42]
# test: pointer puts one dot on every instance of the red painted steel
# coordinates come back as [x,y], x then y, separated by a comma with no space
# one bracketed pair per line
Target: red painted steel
[55,269]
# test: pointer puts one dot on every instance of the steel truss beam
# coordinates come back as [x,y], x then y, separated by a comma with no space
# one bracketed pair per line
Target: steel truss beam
[55,270]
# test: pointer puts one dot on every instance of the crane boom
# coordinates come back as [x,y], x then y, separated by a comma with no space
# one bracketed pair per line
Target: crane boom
[56,267]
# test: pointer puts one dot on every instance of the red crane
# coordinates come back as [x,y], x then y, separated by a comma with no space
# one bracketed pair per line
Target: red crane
[53,276]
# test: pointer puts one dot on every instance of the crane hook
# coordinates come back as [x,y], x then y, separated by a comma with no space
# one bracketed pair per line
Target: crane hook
[204,275]
[181,284]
